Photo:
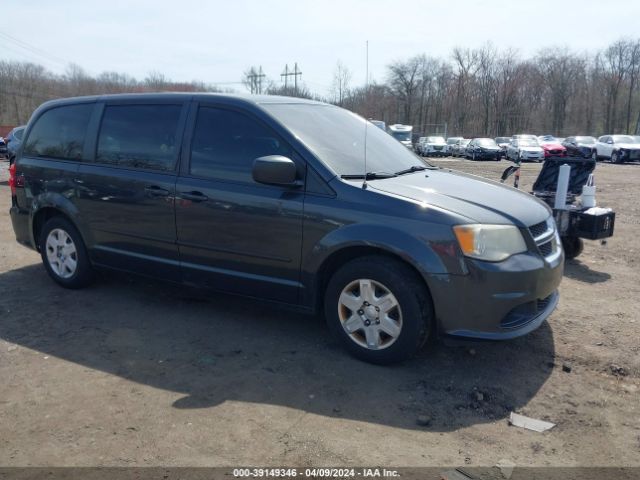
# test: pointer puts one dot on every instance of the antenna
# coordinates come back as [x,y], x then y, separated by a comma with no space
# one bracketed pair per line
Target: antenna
[366,122]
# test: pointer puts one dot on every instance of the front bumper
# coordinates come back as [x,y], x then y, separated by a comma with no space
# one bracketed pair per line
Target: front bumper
[497,301]
[629,154]
[555,153]
[531,156]
[488,154]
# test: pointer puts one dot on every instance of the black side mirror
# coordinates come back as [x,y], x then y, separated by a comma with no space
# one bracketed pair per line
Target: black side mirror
[274,170]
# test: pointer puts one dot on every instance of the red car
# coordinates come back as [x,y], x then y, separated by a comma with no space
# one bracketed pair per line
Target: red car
[552,147]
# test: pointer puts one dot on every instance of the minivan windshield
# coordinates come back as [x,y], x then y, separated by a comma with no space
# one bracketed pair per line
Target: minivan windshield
[336,136]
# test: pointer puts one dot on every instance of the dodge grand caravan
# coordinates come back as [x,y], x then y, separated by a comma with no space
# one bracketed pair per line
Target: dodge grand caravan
[290,201]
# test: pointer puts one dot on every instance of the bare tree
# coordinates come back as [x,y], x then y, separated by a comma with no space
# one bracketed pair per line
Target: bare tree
[340,84]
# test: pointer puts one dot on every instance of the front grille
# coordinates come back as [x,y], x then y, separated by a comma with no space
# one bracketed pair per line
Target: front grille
[546,249]
[544,236]
[523,314]
[538,229]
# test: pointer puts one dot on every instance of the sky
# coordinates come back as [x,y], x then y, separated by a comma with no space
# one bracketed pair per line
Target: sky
[216,41]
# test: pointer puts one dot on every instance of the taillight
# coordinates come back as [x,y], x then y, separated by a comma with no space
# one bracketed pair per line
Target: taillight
[12,178]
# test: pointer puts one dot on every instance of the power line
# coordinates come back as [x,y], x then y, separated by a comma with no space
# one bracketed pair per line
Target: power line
[33,49]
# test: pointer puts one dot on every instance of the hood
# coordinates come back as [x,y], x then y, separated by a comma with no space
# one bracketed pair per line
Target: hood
[531,149]
[436,144]
[553,146]
[632,146]
[496,148]
[478,199]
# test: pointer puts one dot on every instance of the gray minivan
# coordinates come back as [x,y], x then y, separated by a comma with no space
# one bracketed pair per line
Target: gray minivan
[290,201]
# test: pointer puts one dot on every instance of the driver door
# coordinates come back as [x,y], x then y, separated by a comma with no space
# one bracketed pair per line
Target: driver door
[236,235]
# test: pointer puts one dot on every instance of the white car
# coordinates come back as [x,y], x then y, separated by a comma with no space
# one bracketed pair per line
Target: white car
[525,149]
[451,141]
[458,149]
[617,148]
[434,146]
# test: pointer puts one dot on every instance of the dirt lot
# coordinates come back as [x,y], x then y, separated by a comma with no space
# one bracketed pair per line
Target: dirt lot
[135,373]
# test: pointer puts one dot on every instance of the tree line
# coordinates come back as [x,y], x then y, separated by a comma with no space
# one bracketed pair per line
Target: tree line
[481,91]
[489,92]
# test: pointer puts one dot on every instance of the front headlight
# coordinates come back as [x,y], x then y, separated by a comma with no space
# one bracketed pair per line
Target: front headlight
[492,243]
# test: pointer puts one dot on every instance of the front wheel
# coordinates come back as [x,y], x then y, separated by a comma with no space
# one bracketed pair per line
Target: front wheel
[615,157]
[594,156]
[64,254]
[378,309]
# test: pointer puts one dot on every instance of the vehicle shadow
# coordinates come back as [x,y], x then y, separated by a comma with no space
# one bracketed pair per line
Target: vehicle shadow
[214,348]
[577,270]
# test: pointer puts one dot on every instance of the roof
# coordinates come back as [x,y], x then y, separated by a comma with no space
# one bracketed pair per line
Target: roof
[167,96]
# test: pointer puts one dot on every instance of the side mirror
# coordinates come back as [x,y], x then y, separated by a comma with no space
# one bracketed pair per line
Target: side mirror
[610,142]
[274,170]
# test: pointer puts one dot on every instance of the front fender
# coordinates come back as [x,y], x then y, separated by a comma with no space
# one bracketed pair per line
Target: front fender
[431,250]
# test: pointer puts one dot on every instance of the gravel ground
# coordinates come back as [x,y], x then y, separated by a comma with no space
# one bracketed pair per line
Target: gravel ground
[132,372]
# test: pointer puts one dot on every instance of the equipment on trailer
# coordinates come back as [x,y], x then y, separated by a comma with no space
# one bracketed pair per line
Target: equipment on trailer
[559,184]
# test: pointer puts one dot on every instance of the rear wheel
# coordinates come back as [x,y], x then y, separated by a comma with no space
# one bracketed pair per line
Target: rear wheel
[378,309]
[64,254]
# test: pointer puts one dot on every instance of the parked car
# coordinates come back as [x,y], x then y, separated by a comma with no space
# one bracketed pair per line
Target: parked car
[434,147]
[483,149]
[420,145]
[503,143]
[14,139]
[4,153]
[265,196]
[525,149]
[553,148]
[451,141]
[617,148]
[579,146]
[459,147]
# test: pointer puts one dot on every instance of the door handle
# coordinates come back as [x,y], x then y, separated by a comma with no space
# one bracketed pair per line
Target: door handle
[155,191]
[194,196]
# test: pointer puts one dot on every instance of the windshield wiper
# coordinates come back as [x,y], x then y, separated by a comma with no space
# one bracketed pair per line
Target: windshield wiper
[414,168]
[369,176]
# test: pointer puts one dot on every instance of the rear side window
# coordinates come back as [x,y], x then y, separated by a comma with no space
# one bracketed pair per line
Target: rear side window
[139,136]
[60,133]
[225,144]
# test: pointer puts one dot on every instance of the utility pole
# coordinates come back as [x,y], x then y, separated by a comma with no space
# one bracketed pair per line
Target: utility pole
[255,80]
[287,73]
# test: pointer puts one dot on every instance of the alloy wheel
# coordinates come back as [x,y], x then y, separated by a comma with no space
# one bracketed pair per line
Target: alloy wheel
[62,254]
[370,314]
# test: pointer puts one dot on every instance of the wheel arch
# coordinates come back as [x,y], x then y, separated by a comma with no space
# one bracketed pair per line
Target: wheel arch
[47,207]
[343,255]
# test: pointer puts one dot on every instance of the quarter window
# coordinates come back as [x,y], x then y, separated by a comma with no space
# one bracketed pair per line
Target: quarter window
[139,136]
[60,133]
[225,144]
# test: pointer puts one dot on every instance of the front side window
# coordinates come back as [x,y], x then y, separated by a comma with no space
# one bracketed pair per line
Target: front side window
[226,143]
[59,133]
[139,136]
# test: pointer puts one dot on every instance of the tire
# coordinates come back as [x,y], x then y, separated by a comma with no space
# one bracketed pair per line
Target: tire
[409,319]
[615,158]
[572,247]
[594,155]
[473,156]
[61,246]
